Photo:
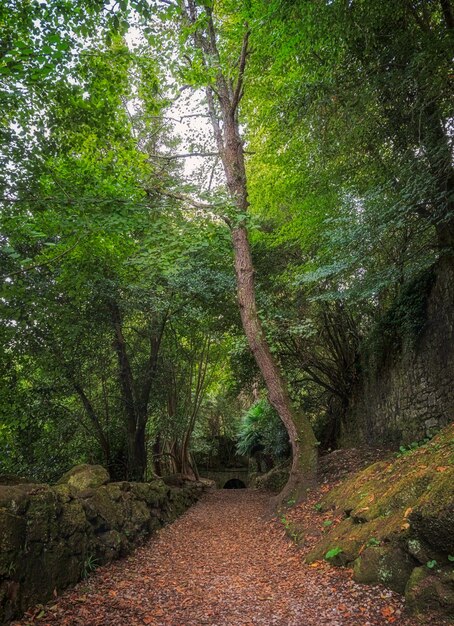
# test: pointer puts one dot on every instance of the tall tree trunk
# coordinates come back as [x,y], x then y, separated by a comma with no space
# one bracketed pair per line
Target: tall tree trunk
[301,435]
[223,102]
[135,435]
[136,396]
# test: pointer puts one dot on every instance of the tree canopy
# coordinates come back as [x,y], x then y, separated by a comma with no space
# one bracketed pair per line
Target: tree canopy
[139,139]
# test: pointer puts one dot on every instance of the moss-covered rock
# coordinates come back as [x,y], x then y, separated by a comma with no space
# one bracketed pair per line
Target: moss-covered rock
[407,506]
[137,521]
[274,480]
[72,519]
[16,498]
[431,589]
[101,511]
[85,477]
[52,536]
[42,516]
[12,539]
[109,546]
[421,551]
[153,493]
[386,564]
[432,516]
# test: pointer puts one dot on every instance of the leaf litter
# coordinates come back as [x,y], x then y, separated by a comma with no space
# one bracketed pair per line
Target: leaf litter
[224,563]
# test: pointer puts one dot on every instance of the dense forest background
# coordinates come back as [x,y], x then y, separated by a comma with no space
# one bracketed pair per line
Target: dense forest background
[122,340]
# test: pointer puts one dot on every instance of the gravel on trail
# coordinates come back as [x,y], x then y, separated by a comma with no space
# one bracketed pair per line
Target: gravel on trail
[223,563]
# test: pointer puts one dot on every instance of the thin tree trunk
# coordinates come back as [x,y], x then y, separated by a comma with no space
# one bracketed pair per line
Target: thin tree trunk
[135,436]
[100,434]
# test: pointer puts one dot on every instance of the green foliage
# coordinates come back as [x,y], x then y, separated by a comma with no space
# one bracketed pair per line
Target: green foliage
[402,324]
[333,553]
[327,523]
[89,566]
[292,530]
[261,429]
[414,445]
[347,122]
[372,542]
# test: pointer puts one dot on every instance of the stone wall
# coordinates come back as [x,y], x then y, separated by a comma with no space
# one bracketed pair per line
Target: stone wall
[412,396]
[220,478]
[52,536]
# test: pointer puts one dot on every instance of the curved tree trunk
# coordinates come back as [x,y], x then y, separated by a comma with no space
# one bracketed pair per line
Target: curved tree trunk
[302,438]
[223,101]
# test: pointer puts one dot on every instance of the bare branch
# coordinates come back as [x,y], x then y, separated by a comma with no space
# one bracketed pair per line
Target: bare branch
[214,119]
[184,155]
[238,94]
[213,169]
[192,202]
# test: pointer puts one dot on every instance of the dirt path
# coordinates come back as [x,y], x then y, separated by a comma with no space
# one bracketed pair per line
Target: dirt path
[222,564]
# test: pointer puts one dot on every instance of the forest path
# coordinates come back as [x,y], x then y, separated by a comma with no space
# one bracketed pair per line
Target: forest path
[221,564]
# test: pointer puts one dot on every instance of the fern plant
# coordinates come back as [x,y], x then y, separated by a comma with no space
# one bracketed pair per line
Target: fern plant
[261,429]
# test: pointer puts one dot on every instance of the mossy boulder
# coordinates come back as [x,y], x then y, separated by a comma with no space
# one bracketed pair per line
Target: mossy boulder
[72,519]
[12,538]
[153,493]
[406,505]
[433,515]
[109,546]
[386,564]
[274,480]
[42,516]
[51,536]
[174,480]
[85,476]
[16,498]
[101,511]
[431,589]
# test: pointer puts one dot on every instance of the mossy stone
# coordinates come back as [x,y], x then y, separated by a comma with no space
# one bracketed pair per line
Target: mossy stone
[153,493]
[274,480]
[42,516]
[428,589]
[109,546]
[85,477]
[433,515]
[101,511]
[16,498]
[387,564]
[72,518]
[12,540]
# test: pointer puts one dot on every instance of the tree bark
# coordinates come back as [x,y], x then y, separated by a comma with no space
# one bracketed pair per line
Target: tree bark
[223,102]
[301,435]
[101,436]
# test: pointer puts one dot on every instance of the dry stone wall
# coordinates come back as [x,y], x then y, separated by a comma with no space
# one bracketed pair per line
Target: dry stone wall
[413,395]
[52,536]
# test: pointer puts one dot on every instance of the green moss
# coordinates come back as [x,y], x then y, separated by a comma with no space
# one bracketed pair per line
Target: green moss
[429,590]
[402,325]
[85,477]
[387,565]
[274,480]
[407,505]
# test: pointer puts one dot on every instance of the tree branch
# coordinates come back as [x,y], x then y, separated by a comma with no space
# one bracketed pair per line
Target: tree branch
[238,93]
[43,264]
[184,155]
